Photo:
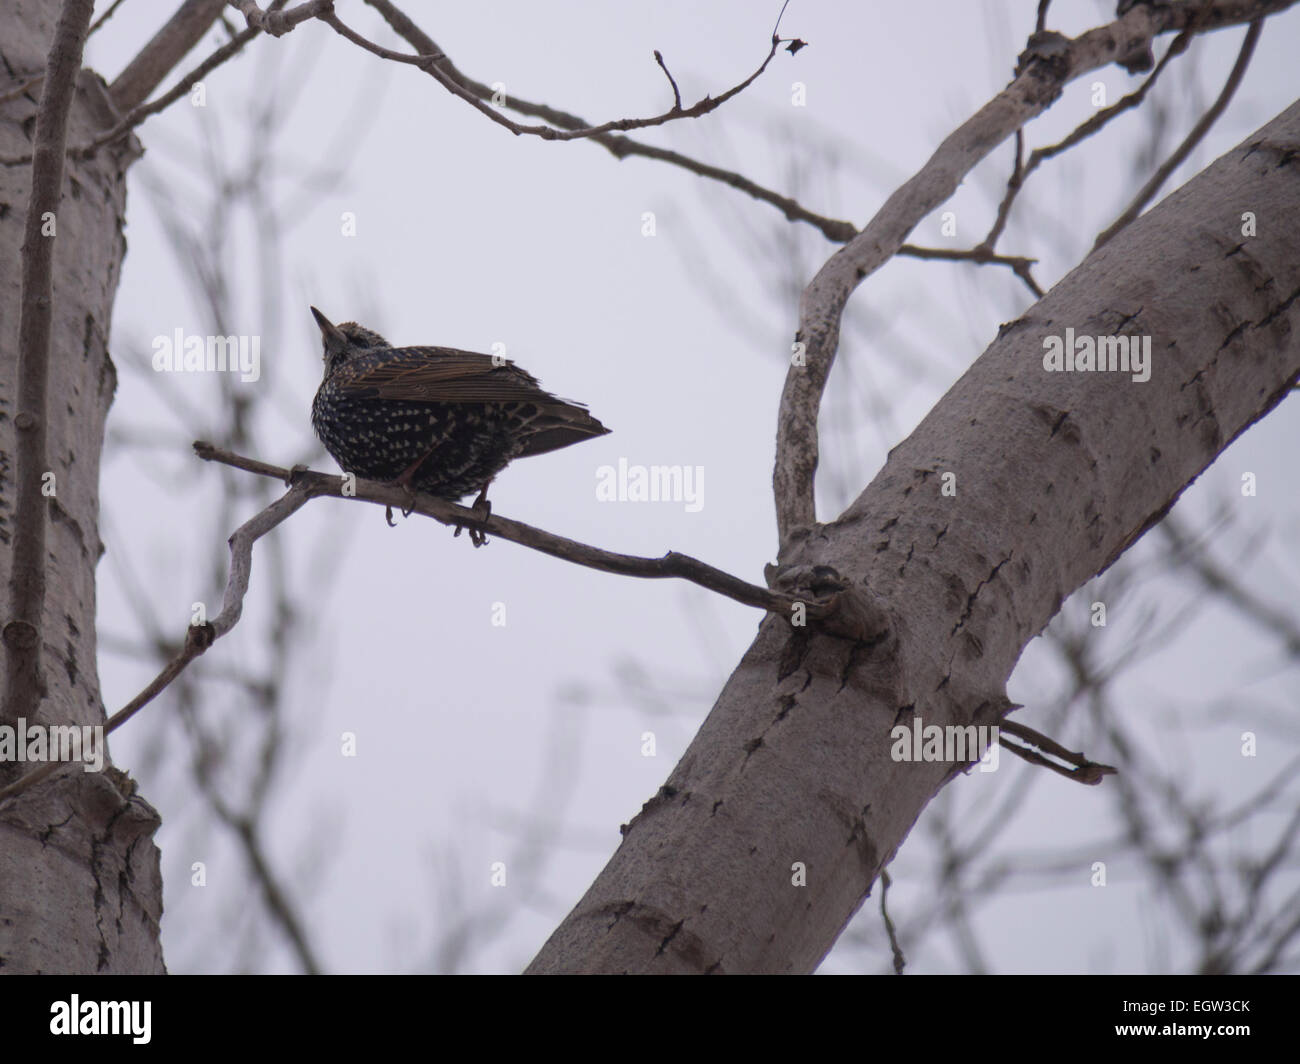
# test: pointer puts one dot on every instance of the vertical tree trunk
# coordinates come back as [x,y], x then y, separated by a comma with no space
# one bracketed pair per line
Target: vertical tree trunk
[80,887]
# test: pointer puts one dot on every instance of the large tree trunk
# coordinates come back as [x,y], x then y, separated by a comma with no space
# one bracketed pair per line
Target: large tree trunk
[80,888]
[1056,474]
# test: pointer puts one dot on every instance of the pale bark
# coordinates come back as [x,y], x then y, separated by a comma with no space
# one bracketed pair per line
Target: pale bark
[80,889]
[1056,474]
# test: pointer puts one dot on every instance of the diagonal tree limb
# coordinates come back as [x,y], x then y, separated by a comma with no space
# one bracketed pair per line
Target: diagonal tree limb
[167,48]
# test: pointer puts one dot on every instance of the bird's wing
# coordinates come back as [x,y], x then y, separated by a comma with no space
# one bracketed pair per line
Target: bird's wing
[446,375]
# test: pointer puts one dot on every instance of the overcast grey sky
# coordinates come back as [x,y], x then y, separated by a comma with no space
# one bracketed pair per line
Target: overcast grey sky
[467,236]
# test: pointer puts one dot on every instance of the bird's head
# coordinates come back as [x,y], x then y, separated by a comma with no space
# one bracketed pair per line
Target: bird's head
[344,341]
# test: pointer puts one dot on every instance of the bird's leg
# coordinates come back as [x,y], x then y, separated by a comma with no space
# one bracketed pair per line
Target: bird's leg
[408,474]
[482,511]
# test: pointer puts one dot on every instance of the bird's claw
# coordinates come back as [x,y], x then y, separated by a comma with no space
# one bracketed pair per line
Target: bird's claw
[407,508]
[482,510]
[294,473]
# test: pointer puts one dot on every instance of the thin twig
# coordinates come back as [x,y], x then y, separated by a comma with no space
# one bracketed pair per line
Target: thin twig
[23,86]
[1014,182]
[549,132]
[677,96]
[1193,138]
[1081,770]
[278,23]
[182,88]
[1085,129]
[1020,266]
[158,58]
[104,17]
[339,27]
[900,961]
[620,147]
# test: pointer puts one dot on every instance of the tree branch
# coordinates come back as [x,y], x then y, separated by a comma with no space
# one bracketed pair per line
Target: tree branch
[434,67]
[143,111]
[200,636]
[1193,138]
[1080,769]
[980,255]
[278,23]
[671,565]
[1080,133]
[620,147]
[308,485]
[167,48]
[1037,85]
[180,89]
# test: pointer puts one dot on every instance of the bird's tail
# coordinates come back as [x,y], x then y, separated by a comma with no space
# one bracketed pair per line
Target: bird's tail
[560,424]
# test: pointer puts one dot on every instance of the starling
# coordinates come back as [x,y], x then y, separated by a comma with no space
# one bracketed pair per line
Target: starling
[434,419]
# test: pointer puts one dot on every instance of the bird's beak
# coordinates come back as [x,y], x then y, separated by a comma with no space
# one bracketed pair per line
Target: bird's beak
[327,327]
[335,341]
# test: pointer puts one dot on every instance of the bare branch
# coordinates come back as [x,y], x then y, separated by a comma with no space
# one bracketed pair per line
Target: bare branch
[677,96]
[1037,85]
[1014,182]
[167,48]
[422,61]
[434,68]
[200,636]
[1193,138]
[112,10]
[278,23]
[277,900]
[1080,769]
[22,634]
[981,255]
[180,89]
[1080,133]
[672,564]
[310,485]
[143,111]
[1220,580]
[619,146]
[24,85]
[900,961]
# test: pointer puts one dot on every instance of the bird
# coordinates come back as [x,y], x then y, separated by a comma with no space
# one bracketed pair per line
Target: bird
[434,419]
